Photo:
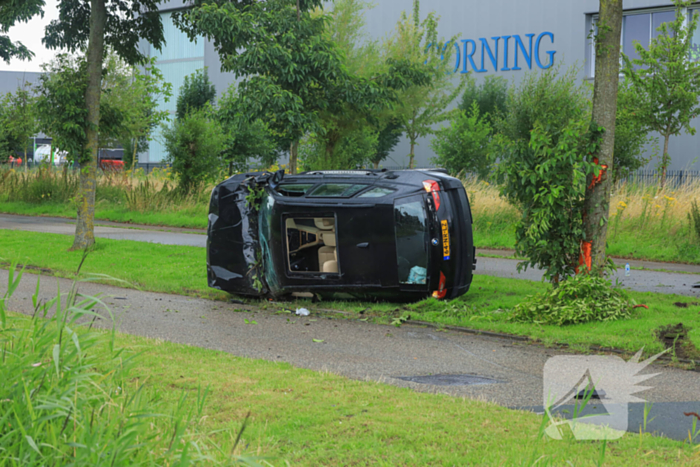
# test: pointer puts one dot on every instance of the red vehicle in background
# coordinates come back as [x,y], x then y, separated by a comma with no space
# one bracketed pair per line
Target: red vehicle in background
[108,161]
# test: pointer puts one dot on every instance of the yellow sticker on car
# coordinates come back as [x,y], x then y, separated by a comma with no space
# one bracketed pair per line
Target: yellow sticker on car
[445,241]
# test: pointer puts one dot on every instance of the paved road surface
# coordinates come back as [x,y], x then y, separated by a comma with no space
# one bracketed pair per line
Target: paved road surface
[648,280]
[361,350]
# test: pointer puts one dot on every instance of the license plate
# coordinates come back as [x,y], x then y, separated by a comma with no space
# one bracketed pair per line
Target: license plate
[445,241]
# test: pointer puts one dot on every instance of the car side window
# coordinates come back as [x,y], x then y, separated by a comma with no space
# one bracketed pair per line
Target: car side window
[294,189]
[377,192]
[337,190]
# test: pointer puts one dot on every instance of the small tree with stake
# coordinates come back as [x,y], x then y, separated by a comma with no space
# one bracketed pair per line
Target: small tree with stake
[666,81]
[20,118]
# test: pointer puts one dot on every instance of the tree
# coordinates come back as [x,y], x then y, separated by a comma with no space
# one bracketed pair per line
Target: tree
[388,137]
[195,93]
[464,145]
[91,23]
[666,81]
[61,107]
[136,93]
[244,139]
[423,106]
[607,72]
[8,143]
[193,143]
[291,71]
[490,96]
[543,141]
[631,138]
[20,117]
[11,13]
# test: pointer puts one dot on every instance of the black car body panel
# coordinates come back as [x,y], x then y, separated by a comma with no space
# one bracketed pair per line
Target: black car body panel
[362,234]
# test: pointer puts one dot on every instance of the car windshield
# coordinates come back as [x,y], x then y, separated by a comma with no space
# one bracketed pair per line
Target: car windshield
[411,239]
[337,190]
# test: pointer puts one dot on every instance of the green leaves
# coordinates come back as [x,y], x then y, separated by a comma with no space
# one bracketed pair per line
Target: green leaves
[579,299]
[543,141]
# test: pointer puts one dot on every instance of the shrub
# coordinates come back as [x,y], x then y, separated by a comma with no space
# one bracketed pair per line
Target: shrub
[490,96]
[463,146]
[543,142]
[579,299]
[193,144]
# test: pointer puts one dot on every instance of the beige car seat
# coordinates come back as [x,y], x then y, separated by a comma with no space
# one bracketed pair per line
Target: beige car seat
[327,255]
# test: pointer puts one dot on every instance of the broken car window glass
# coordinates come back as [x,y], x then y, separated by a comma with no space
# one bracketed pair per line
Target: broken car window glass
[311,244]
[340,190]
[411,239]
[376,193]
[293,189]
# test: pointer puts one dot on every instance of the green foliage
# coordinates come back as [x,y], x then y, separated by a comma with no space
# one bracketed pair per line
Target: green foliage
[68,396]
[196,92]
[8,142]
[463,146]
[127,22]
[20,120]
[424,104]
[694,217]
[246,139]
[388,137]
[490,96]
[352,151]
[11,13]
[666,80]
[543,141]
[62,110]
[579,299]
[631,137]
[193,144]
[292,70]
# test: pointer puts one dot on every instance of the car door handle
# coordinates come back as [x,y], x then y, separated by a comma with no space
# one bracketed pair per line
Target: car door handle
[363,245]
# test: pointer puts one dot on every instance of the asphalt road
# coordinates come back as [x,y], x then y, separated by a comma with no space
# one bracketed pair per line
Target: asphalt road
[649,280]
[511,372]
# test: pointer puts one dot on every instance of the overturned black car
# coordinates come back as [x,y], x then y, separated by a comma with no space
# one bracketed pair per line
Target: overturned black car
[371,234]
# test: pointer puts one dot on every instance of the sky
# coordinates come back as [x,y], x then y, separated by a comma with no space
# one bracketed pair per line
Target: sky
[30,34]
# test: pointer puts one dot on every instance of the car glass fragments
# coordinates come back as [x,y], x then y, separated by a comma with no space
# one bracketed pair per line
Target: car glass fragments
[376,192]
[411,239]
[311,245]
[337,190]
[294,189]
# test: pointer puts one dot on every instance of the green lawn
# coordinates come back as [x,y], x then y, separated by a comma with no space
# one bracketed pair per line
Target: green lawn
[178,269]
[193,216]
[316,418]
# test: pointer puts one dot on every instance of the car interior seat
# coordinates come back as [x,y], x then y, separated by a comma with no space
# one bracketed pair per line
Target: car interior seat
[327,254]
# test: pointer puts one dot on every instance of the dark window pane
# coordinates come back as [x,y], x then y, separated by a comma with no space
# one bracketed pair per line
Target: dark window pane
[293,189]
[376,193]
[337,190]
[411,240]
[657,19]
[637,28]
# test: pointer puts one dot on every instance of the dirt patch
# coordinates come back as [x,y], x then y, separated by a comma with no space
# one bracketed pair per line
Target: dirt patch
[675,336]
[685,305]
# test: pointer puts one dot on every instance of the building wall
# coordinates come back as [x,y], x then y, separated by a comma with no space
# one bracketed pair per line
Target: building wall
[11,80]
[558,29]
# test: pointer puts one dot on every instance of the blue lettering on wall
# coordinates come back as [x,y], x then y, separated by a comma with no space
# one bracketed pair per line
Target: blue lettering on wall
[488,54]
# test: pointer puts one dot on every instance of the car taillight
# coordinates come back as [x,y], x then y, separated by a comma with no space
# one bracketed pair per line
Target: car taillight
[441,291]
[432,187]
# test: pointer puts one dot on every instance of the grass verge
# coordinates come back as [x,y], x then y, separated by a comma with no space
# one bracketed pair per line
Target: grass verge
[178,269]
[303,417]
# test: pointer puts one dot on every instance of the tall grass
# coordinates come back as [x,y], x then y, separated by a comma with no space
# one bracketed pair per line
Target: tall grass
[117,193]
[67,396]
[646,221]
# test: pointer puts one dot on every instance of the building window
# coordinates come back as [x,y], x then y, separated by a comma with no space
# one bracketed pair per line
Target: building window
[695,47]
[637,26]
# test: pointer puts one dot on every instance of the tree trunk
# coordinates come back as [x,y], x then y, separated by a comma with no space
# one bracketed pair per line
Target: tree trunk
[376,165]
[26,161]
[607,64]
[85,228]
[293,157]
[664,161]
[134,157]
[411,155]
